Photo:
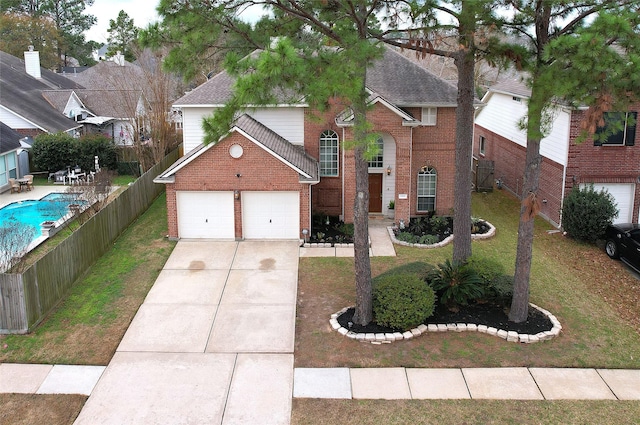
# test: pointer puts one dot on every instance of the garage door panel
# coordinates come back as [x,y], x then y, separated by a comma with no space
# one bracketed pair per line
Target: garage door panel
[271,215]
[623,193]
[205,215]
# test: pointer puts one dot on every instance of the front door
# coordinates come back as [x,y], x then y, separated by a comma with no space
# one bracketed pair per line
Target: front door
[375,193]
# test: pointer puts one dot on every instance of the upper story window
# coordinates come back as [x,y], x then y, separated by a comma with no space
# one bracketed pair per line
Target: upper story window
[329,153]
[516,99]
[378,160]
[619,129]
[429,116]
[427,179]
[483,145]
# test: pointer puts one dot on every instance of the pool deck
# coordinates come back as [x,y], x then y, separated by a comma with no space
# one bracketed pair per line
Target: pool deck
[36,193]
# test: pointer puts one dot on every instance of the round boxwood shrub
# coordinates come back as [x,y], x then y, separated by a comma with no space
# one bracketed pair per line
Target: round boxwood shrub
[402,301]
[586,213]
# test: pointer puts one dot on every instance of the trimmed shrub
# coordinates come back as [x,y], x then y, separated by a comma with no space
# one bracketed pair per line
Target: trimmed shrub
[402,301]
[53,152]
[456,283]
[586,213]
[407,237]
[501,288]
[486,268]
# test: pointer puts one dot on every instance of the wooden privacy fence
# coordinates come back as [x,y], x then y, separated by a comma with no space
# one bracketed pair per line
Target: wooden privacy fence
[26,298]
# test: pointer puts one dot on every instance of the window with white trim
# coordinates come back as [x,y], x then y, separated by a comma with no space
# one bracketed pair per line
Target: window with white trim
[619,129]
[429,116]
[427,179]
[329,153]
[378,160]
[482,145]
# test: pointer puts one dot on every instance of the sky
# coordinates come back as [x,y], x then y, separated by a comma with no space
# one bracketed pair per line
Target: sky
[143,12]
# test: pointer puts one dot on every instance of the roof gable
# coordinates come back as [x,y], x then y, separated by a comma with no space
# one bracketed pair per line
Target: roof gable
[22,94]
[291,155]
[9,139]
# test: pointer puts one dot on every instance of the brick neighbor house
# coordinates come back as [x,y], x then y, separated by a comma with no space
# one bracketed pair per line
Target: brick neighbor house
[279,165]
[613,164]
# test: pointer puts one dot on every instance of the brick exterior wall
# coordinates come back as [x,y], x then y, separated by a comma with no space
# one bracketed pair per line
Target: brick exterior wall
[586,163]
[433,146]
[603,164]
[216,170]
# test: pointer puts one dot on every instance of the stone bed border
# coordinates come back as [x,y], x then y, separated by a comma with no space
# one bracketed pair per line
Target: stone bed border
[445,241]
[510,336]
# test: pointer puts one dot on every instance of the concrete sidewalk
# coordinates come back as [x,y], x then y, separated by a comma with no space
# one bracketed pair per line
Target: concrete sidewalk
[509,383]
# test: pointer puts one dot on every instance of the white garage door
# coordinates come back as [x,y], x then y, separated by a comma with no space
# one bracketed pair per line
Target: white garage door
[206,215]
[623,194]
[271,215]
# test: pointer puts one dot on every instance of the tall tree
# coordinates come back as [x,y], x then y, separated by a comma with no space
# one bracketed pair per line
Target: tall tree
[67,17]
[586,53]
[19,31]
[326,51]
[122,35]
[460,30]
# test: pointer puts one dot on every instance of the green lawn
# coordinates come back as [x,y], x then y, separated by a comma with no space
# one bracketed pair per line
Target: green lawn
[89,323]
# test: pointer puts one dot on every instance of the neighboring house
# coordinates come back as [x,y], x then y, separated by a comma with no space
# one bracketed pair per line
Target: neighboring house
[22,106]
[11,154]
[613,165]
[279,165]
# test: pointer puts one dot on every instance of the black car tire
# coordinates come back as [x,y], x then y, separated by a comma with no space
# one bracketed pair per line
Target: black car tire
[611,248]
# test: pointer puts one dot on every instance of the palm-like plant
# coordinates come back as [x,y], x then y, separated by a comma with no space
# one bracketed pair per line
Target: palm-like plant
[456,283]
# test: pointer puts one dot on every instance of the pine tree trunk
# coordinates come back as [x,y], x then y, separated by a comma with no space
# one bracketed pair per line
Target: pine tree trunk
[464,150]
[528,210]
[362,263]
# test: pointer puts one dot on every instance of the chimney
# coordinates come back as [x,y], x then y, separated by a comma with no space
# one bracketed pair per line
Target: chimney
[32,63]
[118,58]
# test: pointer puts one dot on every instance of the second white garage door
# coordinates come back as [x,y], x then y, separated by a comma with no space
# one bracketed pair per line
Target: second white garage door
[623,194]
[271,215]
[206,215]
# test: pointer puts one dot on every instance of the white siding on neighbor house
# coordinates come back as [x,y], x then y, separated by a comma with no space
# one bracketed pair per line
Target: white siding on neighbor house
[73,106]
[192,132]
[14,121]
[287,122]
[502,114]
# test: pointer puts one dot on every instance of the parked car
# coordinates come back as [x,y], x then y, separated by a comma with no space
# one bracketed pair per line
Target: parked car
[623,241]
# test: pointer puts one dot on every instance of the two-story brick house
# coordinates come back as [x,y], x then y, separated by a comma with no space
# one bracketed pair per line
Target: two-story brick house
[279,165]
[613,164]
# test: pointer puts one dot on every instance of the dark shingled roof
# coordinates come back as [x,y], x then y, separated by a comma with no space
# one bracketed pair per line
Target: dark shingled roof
[280,146]
[394,77]
[291,154]
[405,83]
[22,94]
[515,87]
[9,138]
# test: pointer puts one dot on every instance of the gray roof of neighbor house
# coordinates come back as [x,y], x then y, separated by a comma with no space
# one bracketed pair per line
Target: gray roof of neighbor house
[9,138]
[293,156]
[105,103]
[108,75]
[22,94]
[394,77]
[515,87]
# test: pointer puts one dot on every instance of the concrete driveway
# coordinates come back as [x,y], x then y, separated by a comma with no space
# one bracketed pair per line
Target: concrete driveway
[212,343]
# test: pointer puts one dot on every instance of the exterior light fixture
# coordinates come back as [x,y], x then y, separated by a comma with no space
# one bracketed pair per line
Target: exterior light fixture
[236,195]
[389,170]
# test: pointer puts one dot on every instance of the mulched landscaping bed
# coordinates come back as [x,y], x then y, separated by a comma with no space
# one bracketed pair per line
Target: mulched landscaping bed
[488,314]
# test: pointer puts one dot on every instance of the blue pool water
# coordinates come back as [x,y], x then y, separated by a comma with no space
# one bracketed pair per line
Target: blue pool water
[49,208]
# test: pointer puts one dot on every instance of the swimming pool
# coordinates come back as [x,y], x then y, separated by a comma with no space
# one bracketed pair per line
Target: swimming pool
[52,207]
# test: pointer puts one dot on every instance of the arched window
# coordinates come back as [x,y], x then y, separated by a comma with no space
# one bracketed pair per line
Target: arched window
[329,153]
[377,161]
[427,179]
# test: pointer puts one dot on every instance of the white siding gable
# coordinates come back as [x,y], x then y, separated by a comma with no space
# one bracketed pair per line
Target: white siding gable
[287,122]
[502,114]
[14,120]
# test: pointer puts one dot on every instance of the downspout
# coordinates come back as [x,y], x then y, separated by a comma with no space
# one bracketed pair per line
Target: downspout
[564,171]
[410,175]
[342,174]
